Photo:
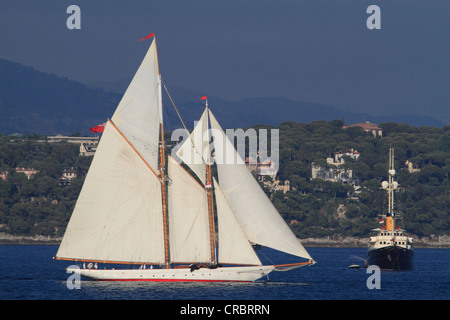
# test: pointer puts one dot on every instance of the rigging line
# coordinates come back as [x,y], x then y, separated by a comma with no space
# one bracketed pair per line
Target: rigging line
[168,123]
[188,93]
[163,81]
[265,256]
[189,133]
[176,109]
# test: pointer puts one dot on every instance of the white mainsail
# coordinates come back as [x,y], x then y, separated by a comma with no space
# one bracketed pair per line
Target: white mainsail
[139,112]
[188,217]
[118,215]
[234,247]
[257,216]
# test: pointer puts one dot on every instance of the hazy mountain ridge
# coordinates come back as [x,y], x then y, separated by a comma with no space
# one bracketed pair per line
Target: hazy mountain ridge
[36,102]
[32,101]
[262,110]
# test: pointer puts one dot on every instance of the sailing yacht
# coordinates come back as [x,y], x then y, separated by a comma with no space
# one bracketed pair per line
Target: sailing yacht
[391,248]
[154,216]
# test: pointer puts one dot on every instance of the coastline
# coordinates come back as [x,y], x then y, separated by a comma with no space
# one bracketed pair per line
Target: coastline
[432,242]
[41,240]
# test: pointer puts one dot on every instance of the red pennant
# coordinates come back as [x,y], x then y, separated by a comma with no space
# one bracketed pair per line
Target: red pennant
[149,36]
[98,128]
[203,98]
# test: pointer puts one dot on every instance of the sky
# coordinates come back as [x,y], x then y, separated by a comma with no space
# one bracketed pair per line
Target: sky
[318,51]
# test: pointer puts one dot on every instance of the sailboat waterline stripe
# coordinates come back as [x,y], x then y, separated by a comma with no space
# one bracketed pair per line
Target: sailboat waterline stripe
[173,280]
[131,145]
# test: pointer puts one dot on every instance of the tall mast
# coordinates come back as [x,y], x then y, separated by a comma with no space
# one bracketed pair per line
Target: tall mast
[209,190]
[162,172]
[391,185]
[163,193]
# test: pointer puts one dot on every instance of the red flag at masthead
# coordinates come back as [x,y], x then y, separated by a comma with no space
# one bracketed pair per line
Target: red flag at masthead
[149,36]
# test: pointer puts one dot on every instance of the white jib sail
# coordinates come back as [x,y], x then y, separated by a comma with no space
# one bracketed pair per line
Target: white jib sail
[234,247]
[138,115]
[118,215]
[188,217]
[193,150]
[257,216]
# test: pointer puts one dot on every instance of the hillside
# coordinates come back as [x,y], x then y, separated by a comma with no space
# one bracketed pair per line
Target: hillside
[422,199]
[34,102]
[314,208]
[37,102]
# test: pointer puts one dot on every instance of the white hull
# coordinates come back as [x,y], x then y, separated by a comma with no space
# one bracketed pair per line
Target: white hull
[221,274]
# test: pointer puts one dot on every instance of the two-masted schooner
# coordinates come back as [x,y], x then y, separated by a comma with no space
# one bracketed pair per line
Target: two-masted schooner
[144,211]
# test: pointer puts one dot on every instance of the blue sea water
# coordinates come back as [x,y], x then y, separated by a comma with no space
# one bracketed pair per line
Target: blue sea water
[28,272]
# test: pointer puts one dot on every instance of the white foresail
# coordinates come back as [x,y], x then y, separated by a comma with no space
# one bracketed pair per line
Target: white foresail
[118,215]
[234,247]
[257,216]
[138,115]
[193,150]
[188,217]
